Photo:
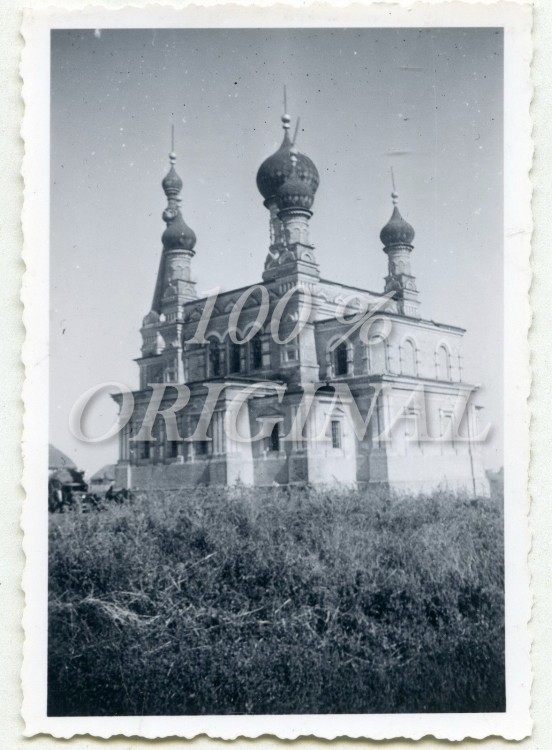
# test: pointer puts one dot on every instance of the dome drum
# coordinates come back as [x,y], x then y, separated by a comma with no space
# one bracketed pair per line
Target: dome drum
[294,210]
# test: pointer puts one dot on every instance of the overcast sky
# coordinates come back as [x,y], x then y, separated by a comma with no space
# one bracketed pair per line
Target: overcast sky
[427,102]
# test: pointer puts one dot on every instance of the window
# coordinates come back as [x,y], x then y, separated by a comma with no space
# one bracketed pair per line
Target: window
[172,449]
[408,358]
[155,374]
[201,447]
[377,348]
[341,359]
[273,440]
[443,363]
[336,433]
[291,354]
[214,358]
[256,352]
[145,449]
[377,358]
[234,356]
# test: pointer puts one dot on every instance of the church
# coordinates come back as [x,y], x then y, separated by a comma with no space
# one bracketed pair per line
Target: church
[336,384]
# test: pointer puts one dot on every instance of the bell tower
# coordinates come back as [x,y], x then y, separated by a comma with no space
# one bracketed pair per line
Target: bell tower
[288,181]
[397,236]
[162,327]
[286,229]
[174,283]
[294,199]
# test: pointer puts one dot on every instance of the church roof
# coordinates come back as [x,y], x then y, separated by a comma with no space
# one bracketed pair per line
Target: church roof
[422,322]
[107,473]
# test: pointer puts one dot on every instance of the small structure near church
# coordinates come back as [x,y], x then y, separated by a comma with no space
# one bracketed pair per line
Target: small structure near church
[103,479]
[355,352]
[65,481]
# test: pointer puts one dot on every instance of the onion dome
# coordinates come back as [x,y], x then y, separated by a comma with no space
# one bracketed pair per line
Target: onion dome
[172,184]
[277,168]
[397,231]
[295,192]
[177,235]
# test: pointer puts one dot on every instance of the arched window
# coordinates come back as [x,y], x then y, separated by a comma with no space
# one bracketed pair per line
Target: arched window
[214,358]
[274,439]
[376,348]
[341,359]
[234,357]
[256,351]
[408,358]
[443,363]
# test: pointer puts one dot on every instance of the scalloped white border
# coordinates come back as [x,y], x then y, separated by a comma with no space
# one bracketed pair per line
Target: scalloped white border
[515,723]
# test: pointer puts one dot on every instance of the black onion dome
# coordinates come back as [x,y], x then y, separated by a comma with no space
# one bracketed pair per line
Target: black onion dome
[172,184]
[397,231]
[177,235]
[295,193]
[274,171]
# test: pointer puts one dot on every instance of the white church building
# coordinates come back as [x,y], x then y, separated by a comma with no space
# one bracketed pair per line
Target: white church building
[309,382]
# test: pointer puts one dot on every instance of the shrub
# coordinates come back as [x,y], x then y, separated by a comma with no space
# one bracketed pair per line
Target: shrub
[217,601]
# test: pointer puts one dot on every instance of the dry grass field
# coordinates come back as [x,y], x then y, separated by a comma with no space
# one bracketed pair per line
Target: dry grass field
[217,601]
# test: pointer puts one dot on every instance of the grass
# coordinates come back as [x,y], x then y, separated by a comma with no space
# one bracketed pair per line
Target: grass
[218,601]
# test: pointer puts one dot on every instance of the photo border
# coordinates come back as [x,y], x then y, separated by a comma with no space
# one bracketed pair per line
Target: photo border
[515,723]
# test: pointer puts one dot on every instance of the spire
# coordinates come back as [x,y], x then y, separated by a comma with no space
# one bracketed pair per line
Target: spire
[286,119]
[174,284]
[295,133]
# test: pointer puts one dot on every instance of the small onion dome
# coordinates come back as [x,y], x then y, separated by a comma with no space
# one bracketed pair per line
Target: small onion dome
[295,192]
[397,231]
[177,235]
[172,184]
[277,168]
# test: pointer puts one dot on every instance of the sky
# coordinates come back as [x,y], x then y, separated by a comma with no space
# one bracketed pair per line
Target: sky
[427,102]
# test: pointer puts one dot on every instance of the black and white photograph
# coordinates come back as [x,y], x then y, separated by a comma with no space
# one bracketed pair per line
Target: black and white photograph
[276,443]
